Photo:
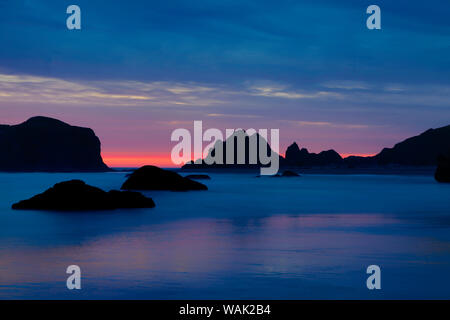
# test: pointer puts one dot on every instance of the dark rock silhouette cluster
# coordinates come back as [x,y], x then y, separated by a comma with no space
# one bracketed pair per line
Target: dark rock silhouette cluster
[421,150]
[442,173]
[154,178]
[75,195]
[46,144]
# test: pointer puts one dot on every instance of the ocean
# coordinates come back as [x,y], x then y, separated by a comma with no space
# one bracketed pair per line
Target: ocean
[311,237]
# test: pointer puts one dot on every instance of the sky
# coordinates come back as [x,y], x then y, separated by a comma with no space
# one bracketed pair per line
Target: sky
[137,70]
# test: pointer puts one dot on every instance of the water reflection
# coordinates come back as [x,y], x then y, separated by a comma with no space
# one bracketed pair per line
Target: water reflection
[285,256]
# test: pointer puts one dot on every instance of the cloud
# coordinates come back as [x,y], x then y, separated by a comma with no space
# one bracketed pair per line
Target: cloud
[425,96]
[347,85]
[395,88]
[279,91]
[176,122]
[224,115]
[329,124]
[26,88]
[228,101]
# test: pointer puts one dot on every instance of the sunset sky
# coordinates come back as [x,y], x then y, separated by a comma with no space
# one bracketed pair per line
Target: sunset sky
[139,69]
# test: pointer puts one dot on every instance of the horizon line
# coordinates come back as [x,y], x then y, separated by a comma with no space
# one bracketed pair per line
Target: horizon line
[164,161]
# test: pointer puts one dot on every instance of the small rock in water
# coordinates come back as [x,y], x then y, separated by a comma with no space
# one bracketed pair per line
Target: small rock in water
[154,178]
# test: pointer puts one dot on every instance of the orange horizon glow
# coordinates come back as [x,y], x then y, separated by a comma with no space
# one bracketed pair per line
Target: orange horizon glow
[137,159]
[131,159]
[345,155]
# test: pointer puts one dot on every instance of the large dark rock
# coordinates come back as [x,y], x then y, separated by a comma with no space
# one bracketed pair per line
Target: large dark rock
[443,169]
[75,195]
[240,140]
[154,178]
[301,157]
[46,144]
[421,150]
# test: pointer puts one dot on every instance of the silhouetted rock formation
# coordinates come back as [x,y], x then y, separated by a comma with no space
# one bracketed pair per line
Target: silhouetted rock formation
[46,144]
[421,150]
[250,160]
[154,178]
[443,169]
[198,177]
[75,195]
[301,157]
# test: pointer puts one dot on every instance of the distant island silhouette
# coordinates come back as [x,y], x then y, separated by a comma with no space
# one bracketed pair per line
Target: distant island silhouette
[43,144]
[418,151]
[421,150]
[49,145]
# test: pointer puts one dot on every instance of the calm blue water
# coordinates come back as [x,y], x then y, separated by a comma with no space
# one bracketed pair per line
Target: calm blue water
[247,237]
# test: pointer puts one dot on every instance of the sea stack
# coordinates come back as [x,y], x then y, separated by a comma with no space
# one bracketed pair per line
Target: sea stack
[154,178]
[244,152]
[49,145]
[302,157]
